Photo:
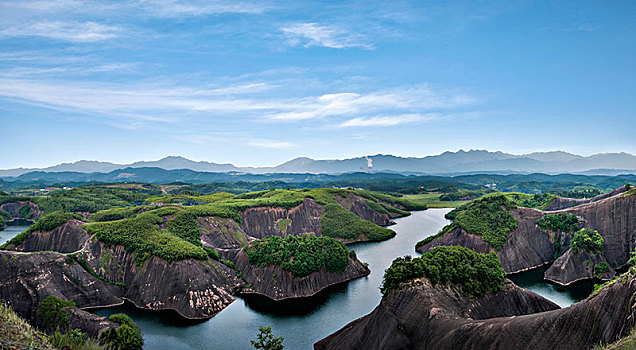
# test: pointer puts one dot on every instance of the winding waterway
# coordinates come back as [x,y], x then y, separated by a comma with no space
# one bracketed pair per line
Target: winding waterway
[303,322]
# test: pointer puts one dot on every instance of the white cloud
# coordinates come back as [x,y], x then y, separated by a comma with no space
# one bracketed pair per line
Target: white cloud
[313,34]
[403,100]
[271,144]
[65,31]
[386,120]
[174,8]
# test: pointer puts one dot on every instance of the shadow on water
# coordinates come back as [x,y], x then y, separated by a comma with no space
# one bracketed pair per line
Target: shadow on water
[169,318]
[293,307]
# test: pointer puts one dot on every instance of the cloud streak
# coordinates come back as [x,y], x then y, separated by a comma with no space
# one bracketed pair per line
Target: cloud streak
[271,144]
[79,32]
[387,120]
[313,34]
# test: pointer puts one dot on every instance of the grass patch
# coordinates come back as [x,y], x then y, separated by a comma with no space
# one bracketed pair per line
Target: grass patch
[473,273]
[17,333]
[299,255]
[338,222]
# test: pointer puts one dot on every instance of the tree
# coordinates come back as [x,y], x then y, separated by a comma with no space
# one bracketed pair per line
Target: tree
[266,340]
[55,313]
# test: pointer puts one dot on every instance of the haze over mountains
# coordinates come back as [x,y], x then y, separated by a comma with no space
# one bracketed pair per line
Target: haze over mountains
[445,163]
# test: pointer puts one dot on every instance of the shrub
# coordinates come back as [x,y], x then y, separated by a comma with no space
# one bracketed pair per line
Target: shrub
[54,313]
[26,212]
[299,255]
[588,240]
[126,337]
[567,223]
[600,269]
[475,274]
[266,340]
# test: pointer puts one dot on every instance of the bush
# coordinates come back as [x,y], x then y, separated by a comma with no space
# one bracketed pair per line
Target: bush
[54,313]
[126,337]
[266,340]
[26,212]
[299,255]
[475,274]
[567,223]
[588,240]
[600,269]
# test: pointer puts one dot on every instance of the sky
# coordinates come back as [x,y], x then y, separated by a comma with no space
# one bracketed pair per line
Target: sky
[259,83]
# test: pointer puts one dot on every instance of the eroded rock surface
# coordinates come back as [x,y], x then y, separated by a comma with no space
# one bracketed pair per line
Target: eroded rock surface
[418,316]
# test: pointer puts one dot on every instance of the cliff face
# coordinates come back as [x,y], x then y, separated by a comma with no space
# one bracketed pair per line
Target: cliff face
[27,278]
[564,203]
[195,289]
[418,316]
[67,238]
[358,206]
[528,246]
[571,267]
[261,222]
[278,284]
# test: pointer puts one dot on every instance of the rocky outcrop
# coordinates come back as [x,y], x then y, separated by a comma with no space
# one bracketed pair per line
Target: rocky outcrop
[89,323]
[13,208]
[67,238]
[560,203]
[528,246]
[358,206]
[221,233]
[195,289]
[278,284]
[27,278]
[419,316]
[571,267]
[262,222]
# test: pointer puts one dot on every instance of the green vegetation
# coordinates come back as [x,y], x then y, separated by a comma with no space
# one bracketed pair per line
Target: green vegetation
[266,340]
[299,255]
[579,192]
[45,223]
[17,333]
[55,313]
[488,217]
[463,195]
[75,339]
[600,269]
[142,235]
[588,240]
[127,337]
[432,200]
[473,273]
[26,212]
[567,223]
[282,225]
[338,222]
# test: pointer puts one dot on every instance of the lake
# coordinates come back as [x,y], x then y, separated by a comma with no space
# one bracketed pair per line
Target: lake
[303,322]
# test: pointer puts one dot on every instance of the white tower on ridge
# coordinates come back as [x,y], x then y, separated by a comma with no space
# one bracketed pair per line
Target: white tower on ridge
[369,165]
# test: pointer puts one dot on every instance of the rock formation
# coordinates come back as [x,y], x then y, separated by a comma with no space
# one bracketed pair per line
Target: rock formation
[419,316]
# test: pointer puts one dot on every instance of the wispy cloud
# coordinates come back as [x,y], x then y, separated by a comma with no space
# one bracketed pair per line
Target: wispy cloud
[405,99]
[386,120]
[271,144]
[175,8]
[172,103]
[313,34]
[65,31]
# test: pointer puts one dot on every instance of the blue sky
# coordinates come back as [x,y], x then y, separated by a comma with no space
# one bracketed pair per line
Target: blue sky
[258,83]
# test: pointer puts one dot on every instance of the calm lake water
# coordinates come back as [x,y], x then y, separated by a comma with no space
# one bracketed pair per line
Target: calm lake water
[303,322]
[12,230]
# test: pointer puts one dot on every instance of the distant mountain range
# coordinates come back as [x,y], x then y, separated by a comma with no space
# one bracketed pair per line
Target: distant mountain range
[446,163]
